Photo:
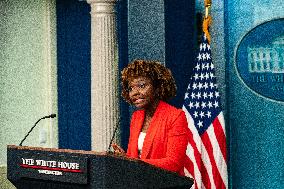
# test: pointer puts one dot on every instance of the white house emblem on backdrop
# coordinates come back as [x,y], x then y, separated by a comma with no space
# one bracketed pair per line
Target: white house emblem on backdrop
[260,59]
[267,59]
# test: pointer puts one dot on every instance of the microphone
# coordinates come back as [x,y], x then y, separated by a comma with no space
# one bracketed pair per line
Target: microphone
[45,117]
[112,138]
[49,116]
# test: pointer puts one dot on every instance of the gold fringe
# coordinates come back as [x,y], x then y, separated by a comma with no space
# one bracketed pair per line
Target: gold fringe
[205,27]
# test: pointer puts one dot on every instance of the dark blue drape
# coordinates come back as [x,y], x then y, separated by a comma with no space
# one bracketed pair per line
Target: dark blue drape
[74,74]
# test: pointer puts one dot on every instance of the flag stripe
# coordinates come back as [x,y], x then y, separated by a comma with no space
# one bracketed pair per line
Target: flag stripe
[189,170]
[220,161]
[216,174]
[220,136]
[207,167]
[222,145]
[222,122]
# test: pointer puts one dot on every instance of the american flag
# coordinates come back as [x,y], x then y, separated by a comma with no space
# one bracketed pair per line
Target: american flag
[206,152]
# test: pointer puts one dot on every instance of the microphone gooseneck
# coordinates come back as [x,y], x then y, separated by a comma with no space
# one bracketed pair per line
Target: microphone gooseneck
[113,135]
[49,116]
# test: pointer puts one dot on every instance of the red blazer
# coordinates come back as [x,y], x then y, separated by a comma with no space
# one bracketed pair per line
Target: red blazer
[166,139]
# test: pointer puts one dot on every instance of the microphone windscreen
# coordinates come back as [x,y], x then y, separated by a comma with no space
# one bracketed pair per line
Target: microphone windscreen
[53,115]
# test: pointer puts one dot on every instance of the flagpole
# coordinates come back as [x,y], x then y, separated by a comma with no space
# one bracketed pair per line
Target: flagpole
[207,20]
[207,7]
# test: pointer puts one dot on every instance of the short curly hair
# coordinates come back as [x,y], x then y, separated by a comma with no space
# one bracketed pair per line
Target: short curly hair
[160,76]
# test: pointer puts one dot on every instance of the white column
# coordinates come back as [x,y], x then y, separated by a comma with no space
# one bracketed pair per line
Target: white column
[104,65]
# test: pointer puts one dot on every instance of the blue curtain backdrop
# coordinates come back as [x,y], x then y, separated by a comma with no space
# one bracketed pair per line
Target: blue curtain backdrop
[74,74]
[180,43]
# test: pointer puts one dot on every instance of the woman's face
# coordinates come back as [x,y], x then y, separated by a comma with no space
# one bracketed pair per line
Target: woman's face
[142,92]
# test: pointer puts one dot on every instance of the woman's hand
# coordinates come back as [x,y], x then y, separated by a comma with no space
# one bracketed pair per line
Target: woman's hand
[118,150]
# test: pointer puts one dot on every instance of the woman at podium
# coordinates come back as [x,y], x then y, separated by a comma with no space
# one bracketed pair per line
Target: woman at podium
[158,131]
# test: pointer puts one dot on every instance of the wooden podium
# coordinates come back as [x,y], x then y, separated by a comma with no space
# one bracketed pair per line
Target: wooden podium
[48,168]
